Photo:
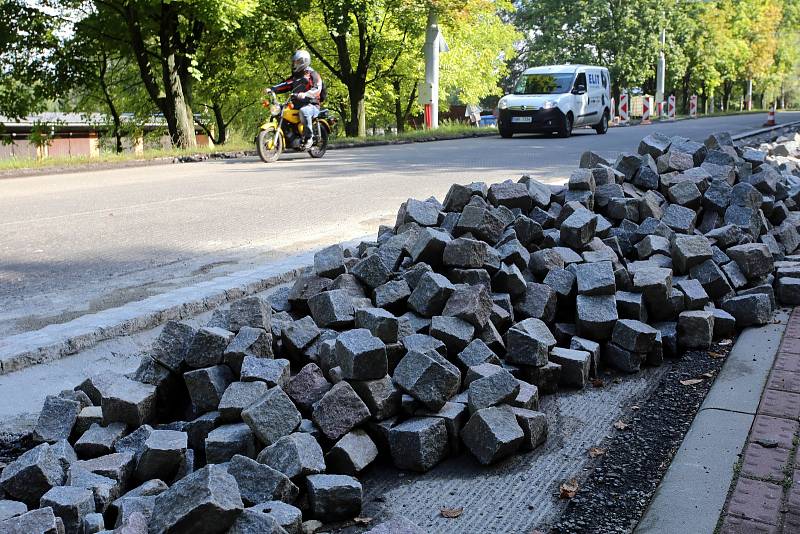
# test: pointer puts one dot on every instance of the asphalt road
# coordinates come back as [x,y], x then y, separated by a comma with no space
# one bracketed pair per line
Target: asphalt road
[77,243]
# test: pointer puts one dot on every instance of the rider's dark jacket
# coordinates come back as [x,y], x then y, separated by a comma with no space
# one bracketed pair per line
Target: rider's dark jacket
[307,81]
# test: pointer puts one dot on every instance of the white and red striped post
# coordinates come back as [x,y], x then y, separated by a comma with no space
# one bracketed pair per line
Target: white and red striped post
[671,108]
[647,105]
[623,107]
[771,116]
[693,106]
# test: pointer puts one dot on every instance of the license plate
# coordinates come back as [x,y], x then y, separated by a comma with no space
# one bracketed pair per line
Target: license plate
[521,119]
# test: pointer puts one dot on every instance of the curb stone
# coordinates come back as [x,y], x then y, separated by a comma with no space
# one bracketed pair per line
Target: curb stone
[59,340]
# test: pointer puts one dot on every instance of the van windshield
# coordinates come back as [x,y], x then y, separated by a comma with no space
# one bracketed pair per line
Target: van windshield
[543,84]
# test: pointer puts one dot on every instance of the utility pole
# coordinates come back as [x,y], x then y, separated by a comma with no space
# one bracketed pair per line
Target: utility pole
[661,68]
[434,43]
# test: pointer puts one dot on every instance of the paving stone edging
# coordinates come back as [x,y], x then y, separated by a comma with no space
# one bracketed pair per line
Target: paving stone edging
[765,497]
[59,340]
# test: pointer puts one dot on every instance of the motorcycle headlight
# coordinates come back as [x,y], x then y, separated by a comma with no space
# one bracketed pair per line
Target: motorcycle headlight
[550,104]
[503,104]
[275,109]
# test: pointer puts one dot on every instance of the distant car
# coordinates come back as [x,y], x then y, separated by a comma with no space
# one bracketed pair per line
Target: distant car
[557,98]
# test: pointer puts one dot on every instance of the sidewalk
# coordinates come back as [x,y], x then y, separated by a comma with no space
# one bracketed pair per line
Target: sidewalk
[694,490]
[766,496]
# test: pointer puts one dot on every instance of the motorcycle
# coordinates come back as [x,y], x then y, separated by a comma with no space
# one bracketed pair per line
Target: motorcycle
[284,129]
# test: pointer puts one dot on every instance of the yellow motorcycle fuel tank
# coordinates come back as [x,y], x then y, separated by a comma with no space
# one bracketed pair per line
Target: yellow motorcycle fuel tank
[291,115]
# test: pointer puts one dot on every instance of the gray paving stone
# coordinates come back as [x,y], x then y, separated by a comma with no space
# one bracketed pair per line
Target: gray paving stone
[56,419]
[696,329]
[534,427]
[297,454]
[272,372]
[32,475]
[250,311]
[272,416]
[332,309]
[352,453]
[418,444]
[208,347]
[237,397]
[497,388]
[596,315]
[529,342]
[428,377]
[688,251]
[206,501]
[633,335]
[492,434]
[749,310]
[339,411]
[455,333]
[430,294]
[334,497]
[206,387]
[99,440]
[575,366]
[578,229]
[69,503]
[259,482]
[329,262]
[224,442]
[622,359]
[381,396]
[307,386]
[754,259]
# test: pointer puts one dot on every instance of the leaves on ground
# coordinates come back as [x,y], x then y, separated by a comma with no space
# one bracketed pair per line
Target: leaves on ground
[451,513]
[594,452]
[621,425]
[708,375]
[598,382]
[716,354]
[724,342]
[568,489]
[635,407]
[691,381]
[362,520]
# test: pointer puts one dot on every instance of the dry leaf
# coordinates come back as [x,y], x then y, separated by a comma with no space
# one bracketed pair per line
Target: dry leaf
[568,489]
[362,520]
[725,342]
[708,375]
[620,425]
[594,452]
[635,407]
[691,381]
[716,354]
[598,383]
[451,513]
[618,381]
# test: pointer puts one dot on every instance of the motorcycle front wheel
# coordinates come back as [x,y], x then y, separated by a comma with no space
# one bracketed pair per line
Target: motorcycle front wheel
[269,146]
[320,143]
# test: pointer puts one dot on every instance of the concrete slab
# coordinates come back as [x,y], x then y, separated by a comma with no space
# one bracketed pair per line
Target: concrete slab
[693,492]
[740,383]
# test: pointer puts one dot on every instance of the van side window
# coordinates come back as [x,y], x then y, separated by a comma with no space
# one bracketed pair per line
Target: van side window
[580,80]
[605,79]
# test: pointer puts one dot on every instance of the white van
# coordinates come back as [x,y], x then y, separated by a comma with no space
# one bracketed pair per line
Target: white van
[557,98]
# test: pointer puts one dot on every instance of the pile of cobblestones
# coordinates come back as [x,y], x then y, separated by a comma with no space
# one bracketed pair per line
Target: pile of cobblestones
[436,338]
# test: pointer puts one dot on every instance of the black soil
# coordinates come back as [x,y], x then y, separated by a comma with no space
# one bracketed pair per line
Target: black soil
[615,494]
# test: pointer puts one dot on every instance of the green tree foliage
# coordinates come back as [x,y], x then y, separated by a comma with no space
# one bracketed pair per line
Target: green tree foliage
[27,42]
[712,47]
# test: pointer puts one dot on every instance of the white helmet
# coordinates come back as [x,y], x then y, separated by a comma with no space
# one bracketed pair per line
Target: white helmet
[301,60]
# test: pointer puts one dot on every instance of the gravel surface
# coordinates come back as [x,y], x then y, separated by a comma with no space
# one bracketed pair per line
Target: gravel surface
[616,492]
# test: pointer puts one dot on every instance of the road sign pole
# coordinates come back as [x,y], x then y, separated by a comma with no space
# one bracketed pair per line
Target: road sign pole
[432,66]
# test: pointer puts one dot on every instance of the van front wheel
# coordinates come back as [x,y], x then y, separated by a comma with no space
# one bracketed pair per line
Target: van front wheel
[602,126]
[566,126]
[505,132]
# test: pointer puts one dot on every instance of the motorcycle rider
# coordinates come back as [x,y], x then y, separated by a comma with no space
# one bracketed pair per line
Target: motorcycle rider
[306,85]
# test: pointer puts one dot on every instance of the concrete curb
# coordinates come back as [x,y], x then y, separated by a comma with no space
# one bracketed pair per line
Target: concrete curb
[59,340]
[692,493]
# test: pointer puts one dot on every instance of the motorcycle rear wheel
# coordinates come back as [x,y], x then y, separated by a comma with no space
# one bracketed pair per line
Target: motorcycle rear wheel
[321,144]
[269,149]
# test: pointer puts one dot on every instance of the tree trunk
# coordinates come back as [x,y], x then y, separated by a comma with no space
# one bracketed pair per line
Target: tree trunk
[357,123]
[399,119]
[222,128]
[110,103]
[182,127]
